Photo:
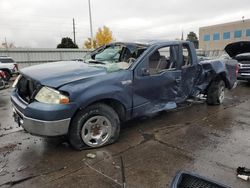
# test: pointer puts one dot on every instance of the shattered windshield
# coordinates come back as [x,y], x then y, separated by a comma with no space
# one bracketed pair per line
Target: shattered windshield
[110,54]
[115,57]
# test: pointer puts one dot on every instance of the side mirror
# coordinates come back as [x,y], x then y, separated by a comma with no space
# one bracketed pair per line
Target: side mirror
[144,72]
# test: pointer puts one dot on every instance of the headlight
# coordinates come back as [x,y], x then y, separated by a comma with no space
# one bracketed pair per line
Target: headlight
[51,96]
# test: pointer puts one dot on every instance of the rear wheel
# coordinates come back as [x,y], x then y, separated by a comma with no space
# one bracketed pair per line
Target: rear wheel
[216,92]
[96,126]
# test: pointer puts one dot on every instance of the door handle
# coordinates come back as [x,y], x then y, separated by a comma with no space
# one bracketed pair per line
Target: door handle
[178,79]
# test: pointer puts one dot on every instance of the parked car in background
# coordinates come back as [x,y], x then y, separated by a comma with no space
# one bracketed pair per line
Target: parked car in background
[241,52]
[8,66]
[77,60]
[3,83]
[203,58]
[87,100]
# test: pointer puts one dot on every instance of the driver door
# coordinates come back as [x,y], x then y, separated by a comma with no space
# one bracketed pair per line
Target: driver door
[157,81]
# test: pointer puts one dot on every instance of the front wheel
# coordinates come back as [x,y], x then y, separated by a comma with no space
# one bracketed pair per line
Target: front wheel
[93,127]
[216,92]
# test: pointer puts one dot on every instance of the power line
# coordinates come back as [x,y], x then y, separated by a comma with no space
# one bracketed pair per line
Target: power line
[37,15]
[37,24]
[41,27]
[74,31]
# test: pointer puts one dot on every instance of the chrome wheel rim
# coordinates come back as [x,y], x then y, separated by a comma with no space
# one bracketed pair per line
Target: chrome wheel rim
[96,131]
[222,94]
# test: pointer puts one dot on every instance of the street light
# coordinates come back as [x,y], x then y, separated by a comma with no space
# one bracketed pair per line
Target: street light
[90,24]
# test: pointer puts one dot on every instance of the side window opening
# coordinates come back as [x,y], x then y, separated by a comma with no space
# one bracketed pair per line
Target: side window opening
[187,58]
[163,59]
[6,60]
[127,55]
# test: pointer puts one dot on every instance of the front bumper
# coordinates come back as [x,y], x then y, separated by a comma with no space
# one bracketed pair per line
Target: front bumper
[42,119]
[3,84]
[244,76]
[40,127]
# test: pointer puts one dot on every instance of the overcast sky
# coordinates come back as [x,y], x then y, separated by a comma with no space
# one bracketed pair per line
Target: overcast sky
[42,23]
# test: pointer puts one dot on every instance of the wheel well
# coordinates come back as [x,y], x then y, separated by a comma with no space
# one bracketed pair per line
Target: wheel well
[115,104]
[4,69]
[222,76]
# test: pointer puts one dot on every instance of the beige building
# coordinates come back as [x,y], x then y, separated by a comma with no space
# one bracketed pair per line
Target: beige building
[216,37]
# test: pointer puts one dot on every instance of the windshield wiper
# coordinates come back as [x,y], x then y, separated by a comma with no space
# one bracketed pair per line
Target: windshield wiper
[96,62]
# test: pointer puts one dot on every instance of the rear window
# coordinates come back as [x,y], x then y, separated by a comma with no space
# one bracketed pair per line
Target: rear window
[6,60]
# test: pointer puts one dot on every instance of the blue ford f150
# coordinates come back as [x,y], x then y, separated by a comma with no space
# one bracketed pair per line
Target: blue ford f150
[87,100]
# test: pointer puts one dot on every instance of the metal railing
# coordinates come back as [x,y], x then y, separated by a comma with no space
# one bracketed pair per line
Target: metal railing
[30,56]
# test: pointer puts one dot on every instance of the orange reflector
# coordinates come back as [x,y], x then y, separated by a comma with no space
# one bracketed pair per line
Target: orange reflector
[64,101]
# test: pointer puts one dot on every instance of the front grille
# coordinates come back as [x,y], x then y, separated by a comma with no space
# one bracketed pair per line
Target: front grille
[189,181]
[26,88]
[245,66]
[244,71]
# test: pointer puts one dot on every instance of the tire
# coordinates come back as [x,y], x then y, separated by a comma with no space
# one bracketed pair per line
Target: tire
[93,127]
[7,75]
[216,92]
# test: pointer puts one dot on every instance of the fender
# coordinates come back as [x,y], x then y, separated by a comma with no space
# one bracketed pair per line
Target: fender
[106,92]
[116,85]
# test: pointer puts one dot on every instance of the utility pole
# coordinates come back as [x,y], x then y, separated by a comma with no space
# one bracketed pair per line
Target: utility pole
[6,44]
[74,30]
[90,24]
[182,37]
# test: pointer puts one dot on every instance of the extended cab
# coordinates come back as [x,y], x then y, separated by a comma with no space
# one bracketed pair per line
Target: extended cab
[87,100]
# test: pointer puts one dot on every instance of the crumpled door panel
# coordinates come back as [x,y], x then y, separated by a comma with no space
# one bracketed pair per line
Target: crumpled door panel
[156,92]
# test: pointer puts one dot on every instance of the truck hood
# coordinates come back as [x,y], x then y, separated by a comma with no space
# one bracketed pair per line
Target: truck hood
[237,48]
[60,73]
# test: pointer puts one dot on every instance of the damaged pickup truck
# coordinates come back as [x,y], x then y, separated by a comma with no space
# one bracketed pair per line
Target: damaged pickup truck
[88,100]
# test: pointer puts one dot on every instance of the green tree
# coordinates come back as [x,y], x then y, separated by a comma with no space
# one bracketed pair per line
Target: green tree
[67,42]
[192,37]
